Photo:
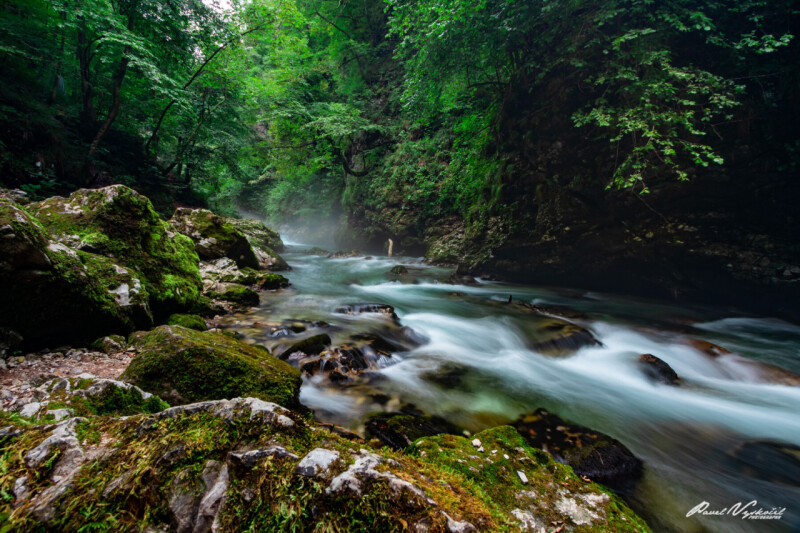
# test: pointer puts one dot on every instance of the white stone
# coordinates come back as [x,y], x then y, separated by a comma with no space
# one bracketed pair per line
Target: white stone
[522,477]
[317,462]
[476,443]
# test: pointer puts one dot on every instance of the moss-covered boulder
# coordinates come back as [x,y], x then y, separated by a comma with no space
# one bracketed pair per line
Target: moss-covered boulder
[249,465]
[526,485]
[53,294]
[121,225]
[236,294]
[214,237]
[265,242]
[110,344]
[188,321]
[255,278]
[182,365]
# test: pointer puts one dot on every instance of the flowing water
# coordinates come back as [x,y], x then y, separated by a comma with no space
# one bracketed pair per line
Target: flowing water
[687,436]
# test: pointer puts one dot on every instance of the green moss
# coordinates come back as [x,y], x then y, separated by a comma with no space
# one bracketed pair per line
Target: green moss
[51,293]
[188,321]
[262,280]
[272,282]
[498,483]
[121,224]
[213,236]
[130,487]
[111,400]
[237,294]
[183,365]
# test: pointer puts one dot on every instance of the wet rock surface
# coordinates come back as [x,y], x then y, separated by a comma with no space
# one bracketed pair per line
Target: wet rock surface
[590,453]
[657,370]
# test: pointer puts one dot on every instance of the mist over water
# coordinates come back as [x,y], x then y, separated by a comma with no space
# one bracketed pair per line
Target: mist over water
[687,436]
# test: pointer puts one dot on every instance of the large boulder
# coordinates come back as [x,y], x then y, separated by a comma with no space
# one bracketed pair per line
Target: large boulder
[118,223]
[265,242]
[214,237]
[249,465]
[182,365]
[51,293]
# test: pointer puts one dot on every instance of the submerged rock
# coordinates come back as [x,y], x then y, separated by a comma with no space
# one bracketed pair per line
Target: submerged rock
[214,236]
[590,453]
[658,370]
[553,336]
[182,365]
[361,308]
[777,462]
[344,253]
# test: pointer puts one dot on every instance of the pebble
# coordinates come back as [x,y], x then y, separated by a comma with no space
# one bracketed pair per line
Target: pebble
[480,449]
[522,477]
[476,443]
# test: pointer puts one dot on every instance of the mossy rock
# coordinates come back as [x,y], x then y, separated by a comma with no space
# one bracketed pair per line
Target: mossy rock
[237,294]
[258,467]
[110,344]
[188,321]
[183,365]
[53,294]
[262,280]
[590,453]
[87,395]
[214,236]
[206,307]
[120,224]
[527,484]
[258,233]
[265,242]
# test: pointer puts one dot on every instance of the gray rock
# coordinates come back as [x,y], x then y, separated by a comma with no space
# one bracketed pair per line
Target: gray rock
[183,503]
[32,409]
[65,439]
[251,458]
[61,414]
[21,490]
[213,500]
[454,526]
[363,470]
[317,462]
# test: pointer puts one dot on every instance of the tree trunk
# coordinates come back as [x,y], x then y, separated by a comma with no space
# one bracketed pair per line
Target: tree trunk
[84,59]
[119,77]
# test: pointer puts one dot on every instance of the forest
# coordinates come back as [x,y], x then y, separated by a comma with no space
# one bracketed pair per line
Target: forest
[399,265]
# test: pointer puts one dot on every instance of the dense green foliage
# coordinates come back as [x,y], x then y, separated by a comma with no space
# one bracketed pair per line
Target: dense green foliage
[397,113]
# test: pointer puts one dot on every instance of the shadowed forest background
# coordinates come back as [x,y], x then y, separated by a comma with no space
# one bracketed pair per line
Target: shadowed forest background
[657,140]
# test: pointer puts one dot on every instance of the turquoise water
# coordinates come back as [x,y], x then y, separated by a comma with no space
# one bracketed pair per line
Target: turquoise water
[684,435]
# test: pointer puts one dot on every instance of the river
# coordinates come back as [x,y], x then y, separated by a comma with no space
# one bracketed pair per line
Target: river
[686,435]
